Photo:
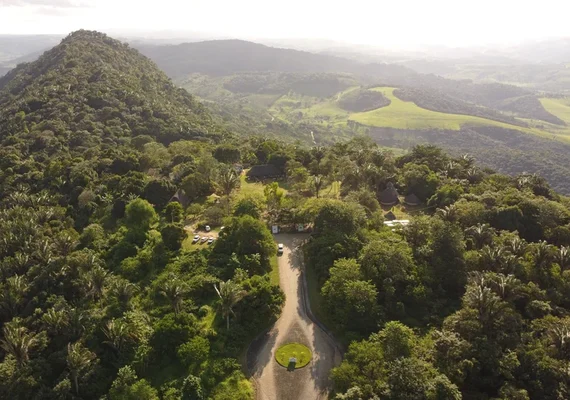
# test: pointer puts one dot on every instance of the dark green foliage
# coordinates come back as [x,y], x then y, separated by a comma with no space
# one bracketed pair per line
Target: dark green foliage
[158,193]
[244,237]
[419,180]
[228,154]
[192,388]
[172,236]
[248,206]
[360,100]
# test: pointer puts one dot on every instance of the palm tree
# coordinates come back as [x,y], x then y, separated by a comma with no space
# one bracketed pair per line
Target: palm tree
[492,257]
[43,252]
[480,234]
[473,174]
[78,359]
[506,286]
[117,333]
[542,253]
[13,293]
[318,153]
[175,291]
[508,263]
[95,281]
[77,321]
[559,333]
[483,300]
[55,320]
[123,291]
[17,341]
[447,213]
[317,183]
[65,245]
[228,179]
[230,294]
[517,247]
[564,257]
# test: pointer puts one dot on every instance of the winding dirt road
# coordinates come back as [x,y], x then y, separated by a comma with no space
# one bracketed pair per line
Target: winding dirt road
[272,381]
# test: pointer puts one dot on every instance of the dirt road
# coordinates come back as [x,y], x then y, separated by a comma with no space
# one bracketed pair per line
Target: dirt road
[272,381]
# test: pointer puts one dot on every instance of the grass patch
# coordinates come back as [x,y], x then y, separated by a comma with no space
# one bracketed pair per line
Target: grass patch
[331,191]
[247,189]
[407,115]
[274,273]
[301,352]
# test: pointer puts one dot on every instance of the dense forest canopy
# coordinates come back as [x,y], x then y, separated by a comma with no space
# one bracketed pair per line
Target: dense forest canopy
[106,171]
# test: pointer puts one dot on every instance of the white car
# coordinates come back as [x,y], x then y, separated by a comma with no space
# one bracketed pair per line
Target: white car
[204,239]
[280,248]
[208,229]
[196,239]
[211,240]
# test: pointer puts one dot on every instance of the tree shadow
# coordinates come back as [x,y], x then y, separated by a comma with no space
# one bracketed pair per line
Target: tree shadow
[256,358]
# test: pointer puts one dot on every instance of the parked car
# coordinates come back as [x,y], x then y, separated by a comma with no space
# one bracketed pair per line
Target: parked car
[196,239]
[280,248]
[207,227]
[211,240]
[204,239]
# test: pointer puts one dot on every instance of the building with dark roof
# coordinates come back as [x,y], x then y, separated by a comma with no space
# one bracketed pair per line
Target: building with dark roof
[389,196]
[412,200]
[266,171]
[180,197]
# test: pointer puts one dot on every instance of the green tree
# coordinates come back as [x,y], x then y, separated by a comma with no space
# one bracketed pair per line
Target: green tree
[248,206]
[18,341]
[227,153]
[127,386]
[140,215]
[228,179]
[419,180]
[173,212]
[195,351]
[230,293]
[192,388]
[79,359]
[172,236]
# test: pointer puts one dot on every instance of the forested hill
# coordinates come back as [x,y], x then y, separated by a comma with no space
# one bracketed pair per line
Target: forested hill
[224,57]
[90,87]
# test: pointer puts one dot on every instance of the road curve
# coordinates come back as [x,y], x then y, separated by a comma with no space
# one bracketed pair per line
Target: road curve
[272,381]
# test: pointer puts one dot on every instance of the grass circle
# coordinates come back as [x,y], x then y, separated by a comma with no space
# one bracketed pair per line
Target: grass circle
[301,352]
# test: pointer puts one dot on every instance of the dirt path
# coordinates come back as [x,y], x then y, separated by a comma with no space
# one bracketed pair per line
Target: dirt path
[272,381]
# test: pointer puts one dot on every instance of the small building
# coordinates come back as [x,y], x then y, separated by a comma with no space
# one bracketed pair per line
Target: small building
[390,216]
[389,196]
[412,200]
[265,171]
[397,222]
[181,198]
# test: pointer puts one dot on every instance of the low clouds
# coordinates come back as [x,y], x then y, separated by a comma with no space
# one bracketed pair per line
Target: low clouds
[45,3]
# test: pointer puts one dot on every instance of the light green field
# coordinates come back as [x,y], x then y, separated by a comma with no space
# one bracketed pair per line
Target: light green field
[407,115]
[558,107]
[403,115]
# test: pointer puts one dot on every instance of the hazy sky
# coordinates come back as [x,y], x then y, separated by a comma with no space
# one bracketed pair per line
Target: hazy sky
[375,22]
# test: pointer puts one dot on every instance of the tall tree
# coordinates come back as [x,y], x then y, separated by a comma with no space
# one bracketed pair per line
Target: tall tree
[78,360]
[17,341]
[230,293]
